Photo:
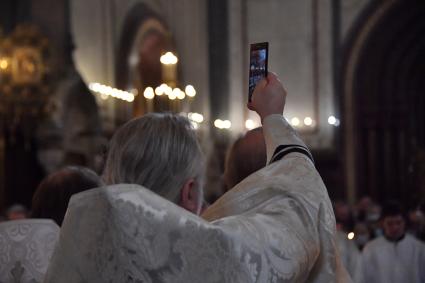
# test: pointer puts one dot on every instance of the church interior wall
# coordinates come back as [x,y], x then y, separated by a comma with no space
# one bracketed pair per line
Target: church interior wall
[306,37]
[97,28]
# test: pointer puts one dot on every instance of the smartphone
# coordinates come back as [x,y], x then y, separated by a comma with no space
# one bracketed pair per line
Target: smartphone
[258,60]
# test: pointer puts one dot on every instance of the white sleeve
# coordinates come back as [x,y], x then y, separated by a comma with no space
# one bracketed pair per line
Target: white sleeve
[281,139]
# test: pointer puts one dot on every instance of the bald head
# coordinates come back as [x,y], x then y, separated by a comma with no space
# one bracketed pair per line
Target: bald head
[247,155]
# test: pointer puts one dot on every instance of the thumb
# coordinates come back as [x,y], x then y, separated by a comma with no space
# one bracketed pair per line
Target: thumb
[271,77]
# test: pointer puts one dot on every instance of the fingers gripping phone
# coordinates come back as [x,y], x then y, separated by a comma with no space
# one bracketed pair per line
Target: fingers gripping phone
[258,61]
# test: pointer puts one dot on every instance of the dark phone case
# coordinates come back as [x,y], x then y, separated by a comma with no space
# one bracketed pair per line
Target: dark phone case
[253,47]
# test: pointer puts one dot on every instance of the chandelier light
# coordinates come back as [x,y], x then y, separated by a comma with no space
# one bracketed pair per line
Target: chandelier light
[107,91]
[169,59]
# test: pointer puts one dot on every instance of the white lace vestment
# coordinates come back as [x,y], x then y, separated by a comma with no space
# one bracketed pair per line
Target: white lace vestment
[275,226]
[384,261]
[25,249]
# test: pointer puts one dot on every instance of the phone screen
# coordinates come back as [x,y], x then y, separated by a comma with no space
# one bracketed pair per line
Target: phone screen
[258,59]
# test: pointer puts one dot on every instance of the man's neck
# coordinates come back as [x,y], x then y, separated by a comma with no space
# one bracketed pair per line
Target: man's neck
[395,240]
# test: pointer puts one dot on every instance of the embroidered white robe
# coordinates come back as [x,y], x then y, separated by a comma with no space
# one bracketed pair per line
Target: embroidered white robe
[275,226]
[25,249]
[384,261]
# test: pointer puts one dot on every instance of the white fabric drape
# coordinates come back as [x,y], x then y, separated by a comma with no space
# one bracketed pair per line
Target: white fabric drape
[25,249]
[394,262]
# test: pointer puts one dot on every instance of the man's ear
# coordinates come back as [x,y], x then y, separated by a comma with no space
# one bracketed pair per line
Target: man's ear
[189,196]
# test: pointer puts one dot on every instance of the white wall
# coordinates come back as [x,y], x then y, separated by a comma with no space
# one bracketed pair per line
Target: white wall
[288,27]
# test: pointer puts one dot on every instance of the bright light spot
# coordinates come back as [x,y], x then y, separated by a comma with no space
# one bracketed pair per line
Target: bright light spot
[133,60]
[4,64]
[168,90]
[159,91]
[249,124]
[196,117]
[172,95]
[222,124]
[337,123]
[190,91]
[195,125]
[168,59]
[333,121]
[295,121]
[175,93]
[350,236]
[181,95]
[227,124]
[106,91]
[149,93]
[218,124]
[308,121]
[93,86]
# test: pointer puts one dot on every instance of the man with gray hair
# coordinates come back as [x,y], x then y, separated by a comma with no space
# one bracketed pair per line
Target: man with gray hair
[277,225]
[159,151]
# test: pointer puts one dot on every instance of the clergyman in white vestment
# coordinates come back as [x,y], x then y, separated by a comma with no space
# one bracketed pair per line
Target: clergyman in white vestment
[395,257]
[350,255]
[277,225]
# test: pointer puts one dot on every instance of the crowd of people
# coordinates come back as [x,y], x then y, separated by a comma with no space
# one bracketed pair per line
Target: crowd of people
[144,218]
[381,243]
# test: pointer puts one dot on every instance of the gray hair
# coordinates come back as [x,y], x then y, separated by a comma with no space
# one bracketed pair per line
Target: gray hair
[159,151]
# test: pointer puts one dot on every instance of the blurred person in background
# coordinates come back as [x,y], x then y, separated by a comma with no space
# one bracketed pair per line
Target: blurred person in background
[350,254]
[16,211]
[362,208]
[51,198]
[246,155]
[373,215]
[395,256]
[344,216]
[215,186]
[416,220]
[362,234]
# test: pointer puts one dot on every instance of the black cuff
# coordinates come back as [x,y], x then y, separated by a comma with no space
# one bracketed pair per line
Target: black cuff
[283,150]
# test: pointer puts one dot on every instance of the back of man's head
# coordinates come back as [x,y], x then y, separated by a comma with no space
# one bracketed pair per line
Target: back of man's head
[159,151]
[16,211]
[51,198]
[247,155]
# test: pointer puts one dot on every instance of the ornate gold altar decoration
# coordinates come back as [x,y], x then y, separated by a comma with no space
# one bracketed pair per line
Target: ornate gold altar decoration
[24,87]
